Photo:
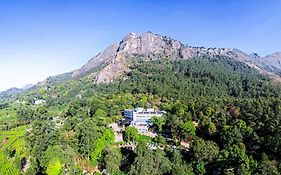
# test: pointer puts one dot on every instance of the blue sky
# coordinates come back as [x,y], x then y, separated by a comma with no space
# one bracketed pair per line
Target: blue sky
[48,37]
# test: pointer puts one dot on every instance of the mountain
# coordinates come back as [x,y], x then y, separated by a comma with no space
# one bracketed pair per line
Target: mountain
[221,111]
[114,61]
[271,62]
[14,91]
[10,92]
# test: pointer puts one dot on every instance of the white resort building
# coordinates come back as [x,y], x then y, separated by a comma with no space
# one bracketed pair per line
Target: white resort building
[141,118]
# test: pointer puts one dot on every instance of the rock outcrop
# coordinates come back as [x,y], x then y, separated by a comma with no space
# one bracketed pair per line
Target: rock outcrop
[113,61]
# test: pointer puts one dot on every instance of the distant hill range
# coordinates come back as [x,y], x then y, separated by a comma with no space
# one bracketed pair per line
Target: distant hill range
[14,91]
[114,61]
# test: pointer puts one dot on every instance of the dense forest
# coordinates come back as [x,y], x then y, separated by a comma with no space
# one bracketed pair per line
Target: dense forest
[228,114]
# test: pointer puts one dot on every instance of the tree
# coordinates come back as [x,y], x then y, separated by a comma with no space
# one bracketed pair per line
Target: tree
[160,139]
[112,159]
[235,157]
[267,167]
[25,114]
[158,122]
[179,165]
[231,135]
[187,130]
[131,134]
[200,167]
[52,153]
[149,162]
[203,150]
[100,144]
[43,135]
[87,134]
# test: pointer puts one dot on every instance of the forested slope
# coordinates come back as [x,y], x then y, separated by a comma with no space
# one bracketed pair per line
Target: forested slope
[229,114]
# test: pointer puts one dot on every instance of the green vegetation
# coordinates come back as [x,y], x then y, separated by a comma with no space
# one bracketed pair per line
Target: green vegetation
[131,134]
[12,150]
[7,114]
[54,167]
[106,139]
[149,162]
[143,138]
[228,115]
[112,158]
[158,122]
[8,118]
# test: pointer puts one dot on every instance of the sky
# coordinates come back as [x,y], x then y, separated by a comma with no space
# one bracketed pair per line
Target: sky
[48,37]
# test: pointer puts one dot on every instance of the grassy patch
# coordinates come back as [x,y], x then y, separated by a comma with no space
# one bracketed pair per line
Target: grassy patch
[144,138]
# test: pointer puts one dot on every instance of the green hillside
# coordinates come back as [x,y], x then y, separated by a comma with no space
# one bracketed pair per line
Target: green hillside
[228,113]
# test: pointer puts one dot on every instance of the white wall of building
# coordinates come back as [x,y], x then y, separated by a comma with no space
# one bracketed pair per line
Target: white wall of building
[141,118]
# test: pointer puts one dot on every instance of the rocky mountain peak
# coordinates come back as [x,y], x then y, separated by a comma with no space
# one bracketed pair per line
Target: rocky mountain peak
[113,62]
[149,45]
[146,46]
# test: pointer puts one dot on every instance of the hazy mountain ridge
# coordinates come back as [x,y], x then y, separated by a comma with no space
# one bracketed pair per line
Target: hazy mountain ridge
[14,91]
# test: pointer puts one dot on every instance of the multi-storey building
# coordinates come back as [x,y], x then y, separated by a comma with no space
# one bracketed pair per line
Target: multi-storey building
[141,118]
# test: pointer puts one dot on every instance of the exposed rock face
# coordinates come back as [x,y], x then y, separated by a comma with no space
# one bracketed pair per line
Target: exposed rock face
[149,45]
[113,70]
[113,61]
